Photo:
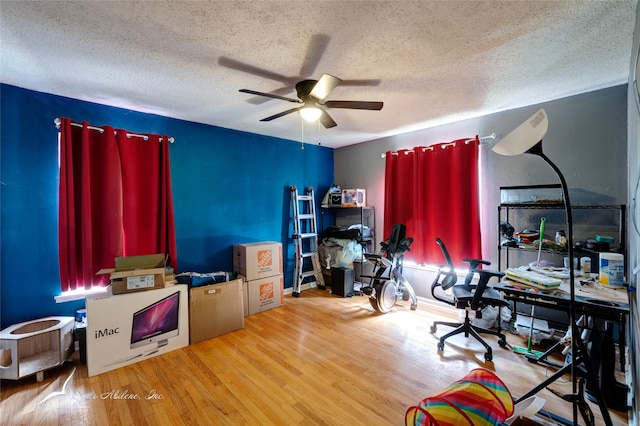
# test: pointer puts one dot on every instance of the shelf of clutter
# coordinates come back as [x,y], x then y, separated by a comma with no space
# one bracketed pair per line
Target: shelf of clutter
[596,228]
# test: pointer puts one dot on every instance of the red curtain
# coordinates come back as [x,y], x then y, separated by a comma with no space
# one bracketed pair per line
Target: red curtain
[434,192]
[115,200]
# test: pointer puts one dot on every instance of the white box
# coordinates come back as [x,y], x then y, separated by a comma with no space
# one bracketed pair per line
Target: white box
[354,198]
[257,260]
[263,294]
[126,328]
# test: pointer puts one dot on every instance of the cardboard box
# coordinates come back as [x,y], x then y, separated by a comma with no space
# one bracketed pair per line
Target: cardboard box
[137,273]
[263,294]
[126,328]
[257,260]
[215,309]
[131,281]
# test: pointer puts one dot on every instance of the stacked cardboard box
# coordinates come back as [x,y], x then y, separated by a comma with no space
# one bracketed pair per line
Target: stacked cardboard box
[138,273]
[261,265]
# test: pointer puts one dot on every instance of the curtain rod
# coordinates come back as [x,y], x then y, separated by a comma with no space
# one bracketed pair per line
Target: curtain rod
[99,129]
[444,145]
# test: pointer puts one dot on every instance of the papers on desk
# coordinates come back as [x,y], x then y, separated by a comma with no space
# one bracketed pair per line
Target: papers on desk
[560,273]
[526,276]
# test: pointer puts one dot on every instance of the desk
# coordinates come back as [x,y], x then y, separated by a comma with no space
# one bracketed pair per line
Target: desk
[593,299]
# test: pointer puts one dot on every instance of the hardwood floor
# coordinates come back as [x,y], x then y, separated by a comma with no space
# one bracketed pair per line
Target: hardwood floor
[320,359]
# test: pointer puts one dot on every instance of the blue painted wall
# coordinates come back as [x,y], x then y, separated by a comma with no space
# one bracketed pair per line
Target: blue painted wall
[229,187]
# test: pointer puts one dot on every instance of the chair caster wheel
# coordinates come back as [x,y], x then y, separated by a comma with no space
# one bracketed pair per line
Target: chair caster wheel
[440,346]
[294,294]
[502,342]
[488,356]
[433,328]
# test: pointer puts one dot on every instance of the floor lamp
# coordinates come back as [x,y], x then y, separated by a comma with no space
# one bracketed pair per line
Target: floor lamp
[527,139]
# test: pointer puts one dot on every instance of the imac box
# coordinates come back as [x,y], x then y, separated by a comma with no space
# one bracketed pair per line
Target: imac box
[126,328]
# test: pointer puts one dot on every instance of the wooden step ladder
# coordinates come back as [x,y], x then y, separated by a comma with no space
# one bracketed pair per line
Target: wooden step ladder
[307,268]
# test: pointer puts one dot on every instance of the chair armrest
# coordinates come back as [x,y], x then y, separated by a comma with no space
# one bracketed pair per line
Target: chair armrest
[473,267]
[476,262]
[485,276]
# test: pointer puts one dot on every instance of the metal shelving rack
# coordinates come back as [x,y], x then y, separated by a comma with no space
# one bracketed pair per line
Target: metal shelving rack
[579,212]
[367,217]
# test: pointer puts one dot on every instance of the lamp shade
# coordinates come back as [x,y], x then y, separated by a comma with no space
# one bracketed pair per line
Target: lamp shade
[310,113]
[524,136]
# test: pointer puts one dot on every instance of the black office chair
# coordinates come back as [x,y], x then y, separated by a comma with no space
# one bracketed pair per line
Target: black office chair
[468,296]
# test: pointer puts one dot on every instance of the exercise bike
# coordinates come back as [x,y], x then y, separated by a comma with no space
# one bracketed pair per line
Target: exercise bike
[387,284]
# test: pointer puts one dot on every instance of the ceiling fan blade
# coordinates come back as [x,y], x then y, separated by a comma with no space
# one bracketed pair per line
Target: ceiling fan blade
[375,106]
[364,82]
[250,69]
[324,86]
[259,100]
[280,114]
[317,45]
[269,95]
[326,120]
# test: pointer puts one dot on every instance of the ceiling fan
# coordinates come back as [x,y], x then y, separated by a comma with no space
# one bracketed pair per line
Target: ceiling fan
[311,96]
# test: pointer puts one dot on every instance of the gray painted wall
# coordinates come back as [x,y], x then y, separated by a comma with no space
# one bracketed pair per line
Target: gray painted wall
[587,139]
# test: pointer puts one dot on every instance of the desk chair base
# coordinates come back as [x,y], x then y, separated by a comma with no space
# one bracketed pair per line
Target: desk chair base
[469,329]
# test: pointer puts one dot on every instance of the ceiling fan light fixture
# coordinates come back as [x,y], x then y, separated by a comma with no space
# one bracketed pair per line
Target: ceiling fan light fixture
[310,113]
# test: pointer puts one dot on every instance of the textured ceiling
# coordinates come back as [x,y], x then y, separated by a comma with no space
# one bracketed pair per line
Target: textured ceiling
[436,61]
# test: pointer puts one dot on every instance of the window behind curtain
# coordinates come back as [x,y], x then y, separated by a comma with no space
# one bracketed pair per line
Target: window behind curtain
[115,200]
[434,192]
